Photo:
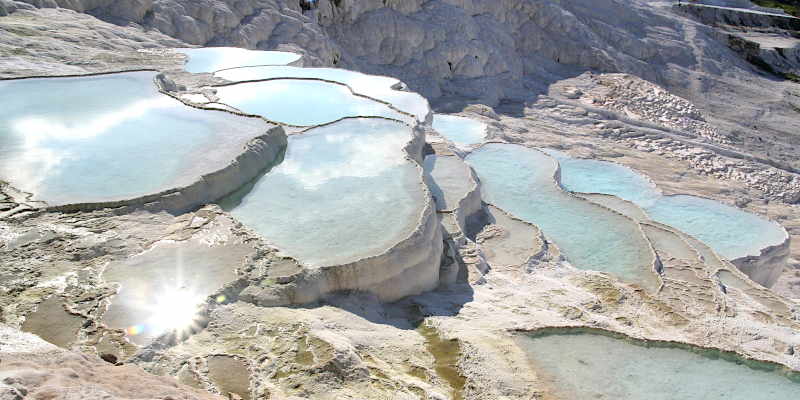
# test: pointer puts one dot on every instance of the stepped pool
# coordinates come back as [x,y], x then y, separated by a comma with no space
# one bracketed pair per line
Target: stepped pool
[377,87]
[461,131]
[344,191]
[66,140]
[731,232]
[212,59]
[302,102]
[580,364]
[449,180]
[520,181]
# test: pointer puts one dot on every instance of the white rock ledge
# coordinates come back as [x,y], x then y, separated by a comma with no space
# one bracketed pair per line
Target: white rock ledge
[408,268]
[260,153]
[765,268]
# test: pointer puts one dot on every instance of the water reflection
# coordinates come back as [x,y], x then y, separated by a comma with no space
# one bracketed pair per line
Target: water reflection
[378,87]
[459,130]
[161,291]
[577,364]
[520,180]
[302,102]
[211,59]
[102,138]
[731,232]
[344,191]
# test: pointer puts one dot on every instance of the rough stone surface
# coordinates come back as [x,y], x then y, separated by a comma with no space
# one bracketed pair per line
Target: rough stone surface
[34,369]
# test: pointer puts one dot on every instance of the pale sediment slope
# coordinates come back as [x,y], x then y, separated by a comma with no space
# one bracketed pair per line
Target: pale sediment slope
[33,368]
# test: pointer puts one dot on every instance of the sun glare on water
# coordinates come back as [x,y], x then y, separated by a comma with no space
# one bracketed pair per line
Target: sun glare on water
[177,311]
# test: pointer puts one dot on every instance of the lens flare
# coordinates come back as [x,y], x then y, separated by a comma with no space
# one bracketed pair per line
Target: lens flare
[134,330]
[175,310]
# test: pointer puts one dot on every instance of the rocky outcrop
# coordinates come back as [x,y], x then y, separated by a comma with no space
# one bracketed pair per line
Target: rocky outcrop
[474,49]
[739,17]
[743,4]
[121,10]
[32,368]
[777,60]
[767,267]
[641,101]
[264,24]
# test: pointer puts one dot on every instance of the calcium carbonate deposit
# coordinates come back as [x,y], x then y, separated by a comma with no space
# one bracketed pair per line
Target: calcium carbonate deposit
[399,199]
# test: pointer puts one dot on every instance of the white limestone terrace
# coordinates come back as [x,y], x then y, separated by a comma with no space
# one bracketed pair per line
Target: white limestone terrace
[390,244]
[302,102]
[523,182]
[405,256]
[265,86]
[494,306]
[386,89]
[450,180]
[343,192]
[772,40]
[462,131]
[212,59]
[759,247]
[89,142]
[348,206]
[738,18]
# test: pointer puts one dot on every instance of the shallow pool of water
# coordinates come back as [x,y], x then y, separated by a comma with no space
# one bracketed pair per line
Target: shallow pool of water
[520,180]
[211,59]
[343,192]
[302,102]
[377,87]
[593,176]
[594,366]
[160,290]
[53,323]
[230,375]
[730,231]
[461,131]
[109,137]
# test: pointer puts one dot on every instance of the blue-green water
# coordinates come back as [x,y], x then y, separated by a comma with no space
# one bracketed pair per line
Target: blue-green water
[592,176]
[377,87]
[459,130]
[520,180]
[211,59]
[594,366]
[731,232]
[302,102]
[106,137]
[344,191]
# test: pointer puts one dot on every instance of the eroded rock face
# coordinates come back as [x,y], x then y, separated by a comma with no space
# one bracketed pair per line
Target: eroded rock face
[250,24]
[461,52]
[476,49]
[32,368]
